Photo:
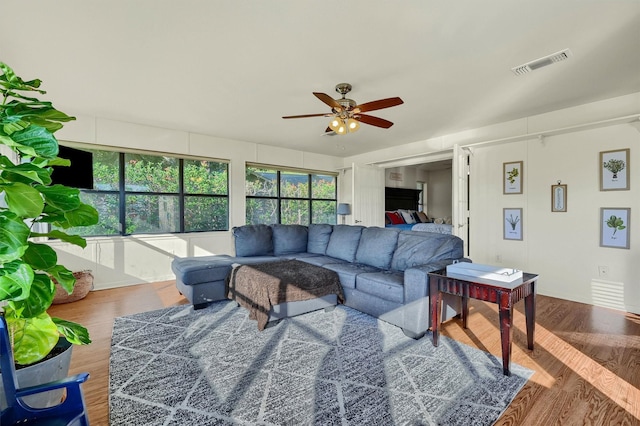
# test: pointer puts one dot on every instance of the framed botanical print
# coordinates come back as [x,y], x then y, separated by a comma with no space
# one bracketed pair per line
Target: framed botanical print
[614,170]
[512,177]
[614,227]
[559,198]
[512,223]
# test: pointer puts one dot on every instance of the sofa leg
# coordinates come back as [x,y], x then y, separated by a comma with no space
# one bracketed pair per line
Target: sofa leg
[329,308]
[412,334]
[197,306]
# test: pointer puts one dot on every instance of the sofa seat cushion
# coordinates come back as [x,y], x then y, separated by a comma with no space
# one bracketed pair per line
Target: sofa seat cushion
[321,260]
[347,272]
[253,240]
[386,285]
[344,240]
[318,239]
[376,247]
[203,269]
[289,239]
[414,249]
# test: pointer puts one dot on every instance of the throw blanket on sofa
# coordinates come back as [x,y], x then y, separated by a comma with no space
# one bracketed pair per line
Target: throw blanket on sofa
[260,286]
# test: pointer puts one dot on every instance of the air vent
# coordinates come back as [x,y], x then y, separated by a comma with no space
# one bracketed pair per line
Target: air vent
[542,62]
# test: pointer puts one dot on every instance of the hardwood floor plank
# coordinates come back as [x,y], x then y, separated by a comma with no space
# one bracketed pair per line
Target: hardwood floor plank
[586,358]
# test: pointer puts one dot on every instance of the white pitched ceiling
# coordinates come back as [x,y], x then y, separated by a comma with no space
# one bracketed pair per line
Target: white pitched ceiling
[234,68]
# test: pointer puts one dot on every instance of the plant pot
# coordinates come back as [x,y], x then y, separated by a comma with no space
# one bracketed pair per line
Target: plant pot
[46,371]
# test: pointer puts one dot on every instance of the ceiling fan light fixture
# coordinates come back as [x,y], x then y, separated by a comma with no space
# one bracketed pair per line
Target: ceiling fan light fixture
[353,125]
[335,124]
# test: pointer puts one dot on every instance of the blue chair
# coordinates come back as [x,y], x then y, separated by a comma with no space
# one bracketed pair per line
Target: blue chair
[71,411]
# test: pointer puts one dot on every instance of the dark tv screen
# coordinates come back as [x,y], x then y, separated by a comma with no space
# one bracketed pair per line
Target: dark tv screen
[79,174]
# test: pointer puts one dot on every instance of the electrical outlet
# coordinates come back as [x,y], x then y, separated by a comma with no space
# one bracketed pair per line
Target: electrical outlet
[499,258]
[603,271]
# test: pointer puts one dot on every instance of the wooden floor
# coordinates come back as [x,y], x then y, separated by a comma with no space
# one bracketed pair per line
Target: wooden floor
[586,359]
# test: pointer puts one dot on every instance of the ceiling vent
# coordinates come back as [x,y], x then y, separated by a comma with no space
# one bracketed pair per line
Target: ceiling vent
[542,62]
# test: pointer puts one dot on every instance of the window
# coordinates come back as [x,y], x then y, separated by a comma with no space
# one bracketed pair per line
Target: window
[289,196]
[150,194]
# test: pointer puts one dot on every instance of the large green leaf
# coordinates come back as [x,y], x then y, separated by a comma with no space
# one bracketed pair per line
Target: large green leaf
[39,139]
[60,197]
[63,276]
[33,338]
[85,215]
[13,124]
[26,173]
[11,81]
[74,333]
[40,256]
[41,114]
[15,280]
[40,297]
[73,239]
[23,200]
[13,237]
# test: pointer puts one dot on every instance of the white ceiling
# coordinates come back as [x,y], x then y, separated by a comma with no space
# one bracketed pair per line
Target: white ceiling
[233,68]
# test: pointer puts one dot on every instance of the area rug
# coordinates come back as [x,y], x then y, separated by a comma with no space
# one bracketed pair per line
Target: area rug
[177,366]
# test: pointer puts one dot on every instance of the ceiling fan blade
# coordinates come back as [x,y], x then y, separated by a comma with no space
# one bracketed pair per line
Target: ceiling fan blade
[307,115]
[379,104]
[374,121]
[328,100]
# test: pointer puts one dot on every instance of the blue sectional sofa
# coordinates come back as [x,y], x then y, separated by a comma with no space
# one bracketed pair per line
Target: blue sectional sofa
[383,272]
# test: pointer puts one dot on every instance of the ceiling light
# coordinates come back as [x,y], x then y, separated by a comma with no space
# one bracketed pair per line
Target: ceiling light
[342,127]
[353,125]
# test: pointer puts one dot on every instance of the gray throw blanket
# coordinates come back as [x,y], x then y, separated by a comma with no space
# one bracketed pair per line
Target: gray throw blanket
[259,287]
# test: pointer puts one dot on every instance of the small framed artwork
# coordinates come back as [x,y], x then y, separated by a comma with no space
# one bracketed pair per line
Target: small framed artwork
[559,198]
[512,223]
[614,170]
[614,227]
[512,177]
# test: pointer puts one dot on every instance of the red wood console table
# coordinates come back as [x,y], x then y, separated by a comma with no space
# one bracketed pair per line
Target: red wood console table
[504,294]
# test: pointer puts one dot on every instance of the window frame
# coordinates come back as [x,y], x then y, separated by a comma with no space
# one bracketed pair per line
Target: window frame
[181,195]
[279,198]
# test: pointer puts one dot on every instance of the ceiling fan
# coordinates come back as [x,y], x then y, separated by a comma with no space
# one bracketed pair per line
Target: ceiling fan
[346,115]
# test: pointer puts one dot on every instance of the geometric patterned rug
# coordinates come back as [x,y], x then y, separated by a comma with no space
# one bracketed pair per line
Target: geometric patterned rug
[177,366]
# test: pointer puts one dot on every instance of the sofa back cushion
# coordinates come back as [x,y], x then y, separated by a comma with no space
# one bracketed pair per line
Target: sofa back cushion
[253,240]
[420,248]
[289,239]
[376,247]
[344,240]
[319,234]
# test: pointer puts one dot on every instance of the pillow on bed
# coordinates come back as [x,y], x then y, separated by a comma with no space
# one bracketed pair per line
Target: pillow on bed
[423,217]
[395,218]
[407,216]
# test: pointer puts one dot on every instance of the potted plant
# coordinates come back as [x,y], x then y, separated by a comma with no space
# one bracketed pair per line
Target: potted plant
[28,267]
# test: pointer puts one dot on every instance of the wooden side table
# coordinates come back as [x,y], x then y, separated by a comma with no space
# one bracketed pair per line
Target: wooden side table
[504,294]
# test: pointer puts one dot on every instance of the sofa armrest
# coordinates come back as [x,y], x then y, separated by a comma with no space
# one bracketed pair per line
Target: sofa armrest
[416,279]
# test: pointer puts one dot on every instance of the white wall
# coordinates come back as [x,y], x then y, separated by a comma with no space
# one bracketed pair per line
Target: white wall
[401,177]
[120,261]
[439,193]
[562,247]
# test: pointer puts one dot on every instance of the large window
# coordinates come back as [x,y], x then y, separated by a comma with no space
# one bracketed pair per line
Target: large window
[289,196]
[149,194]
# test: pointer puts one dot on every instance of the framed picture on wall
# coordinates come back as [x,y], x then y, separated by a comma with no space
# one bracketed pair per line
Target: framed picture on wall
[614,170]
[512,223]
[614,227]
[559,198]
[512,177]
